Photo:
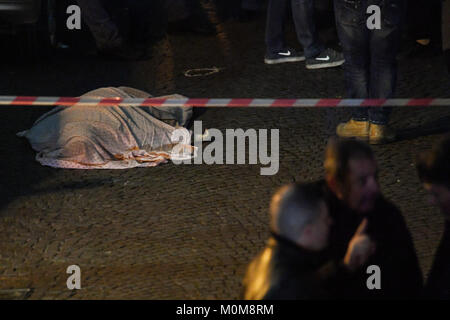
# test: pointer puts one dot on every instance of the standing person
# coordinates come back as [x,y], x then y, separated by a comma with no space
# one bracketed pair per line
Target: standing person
[291,266]
[148,21]
[434,171]
[353,194]
[371,66]
[315,53]
[108,39]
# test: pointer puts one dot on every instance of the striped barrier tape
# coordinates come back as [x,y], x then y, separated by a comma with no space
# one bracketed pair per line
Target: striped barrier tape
[217,103]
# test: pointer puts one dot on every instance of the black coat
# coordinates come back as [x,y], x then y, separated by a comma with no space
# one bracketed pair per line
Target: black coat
[401,276]
[438,283]
[284,271]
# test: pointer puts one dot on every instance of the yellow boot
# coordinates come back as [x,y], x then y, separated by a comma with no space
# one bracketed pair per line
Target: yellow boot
[353,129]
[380,134]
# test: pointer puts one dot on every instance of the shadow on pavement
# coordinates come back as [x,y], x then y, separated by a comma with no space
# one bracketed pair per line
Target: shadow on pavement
[441,125]
[19,171]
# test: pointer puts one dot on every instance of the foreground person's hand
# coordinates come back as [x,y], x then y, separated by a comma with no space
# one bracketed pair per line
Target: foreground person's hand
[360,248]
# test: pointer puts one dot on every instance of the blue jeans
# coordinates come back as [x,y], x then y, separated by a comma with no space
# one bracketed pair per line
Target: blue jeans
[370,55]
[305,27]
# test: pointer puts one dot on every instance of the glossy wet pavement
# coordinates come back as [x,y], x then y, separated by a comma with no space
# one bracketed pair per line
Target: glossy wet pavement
[186,232]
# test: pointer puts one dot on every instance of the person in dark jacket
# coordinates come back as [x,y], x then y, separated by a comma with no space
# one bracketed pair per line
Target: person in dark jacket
[353,194]
[291,266]
[434,171]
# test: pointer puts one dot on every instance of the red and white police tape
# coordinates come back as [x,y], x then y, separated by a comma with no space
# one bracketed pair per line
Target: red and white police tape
[217,103]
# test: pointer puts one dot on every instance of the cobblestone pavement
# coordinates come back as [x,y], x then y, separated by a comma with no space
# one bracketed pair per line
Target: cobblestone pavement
[186,232]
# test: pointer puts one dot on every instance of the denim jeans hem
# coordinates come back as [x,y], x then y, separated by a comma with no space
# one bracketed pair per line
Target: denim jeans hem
[380,123]
[360,119]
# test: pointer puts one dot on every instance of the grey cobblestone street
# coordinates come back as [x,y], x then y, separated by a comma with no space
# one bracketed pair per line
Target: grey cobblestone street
[187,232]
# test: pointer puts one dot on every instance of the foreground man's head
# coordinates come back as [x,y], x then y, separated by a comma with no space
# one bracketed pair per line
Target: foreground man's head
[433,168]
[299,214]
[352,173]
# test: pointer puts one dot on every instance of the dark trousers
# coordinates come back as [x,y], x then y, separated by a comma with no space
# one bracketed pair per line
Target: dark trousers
[370,55]
[99,21]
[148,20]
[305,27]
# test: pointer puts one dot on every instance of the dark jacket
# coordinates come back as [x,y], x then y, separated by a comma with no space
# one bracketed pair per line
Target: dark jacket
[438,283]
[284,271]
[401,276]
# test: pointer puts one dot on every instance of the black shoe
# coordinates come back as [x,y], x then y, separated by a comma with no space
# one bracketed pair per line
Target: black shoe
[286,55]
[329,58]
